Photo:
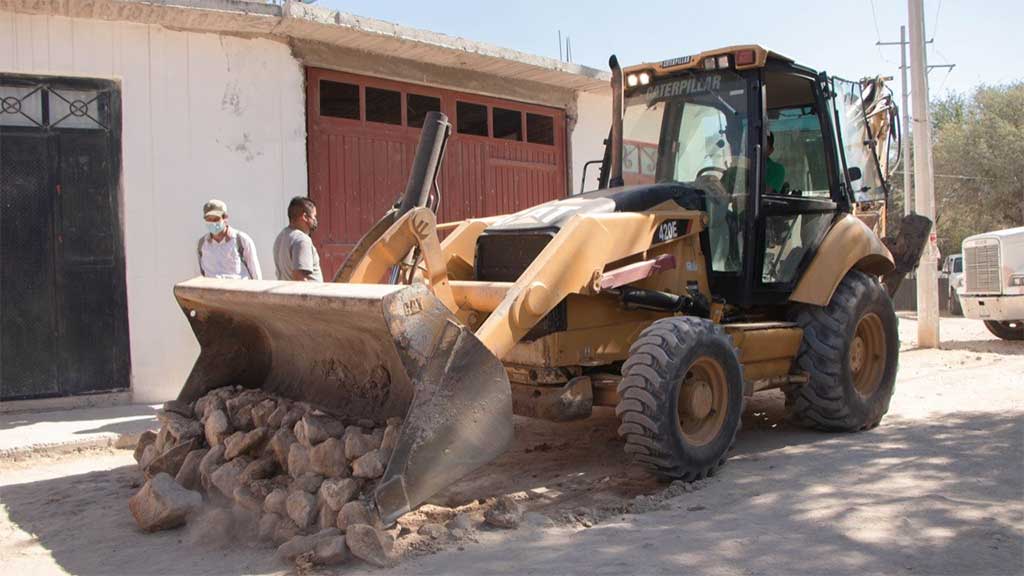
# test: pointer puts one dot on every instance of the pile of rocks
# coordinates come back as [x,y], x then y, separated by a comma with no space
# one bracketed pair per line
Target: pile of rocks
[305,475]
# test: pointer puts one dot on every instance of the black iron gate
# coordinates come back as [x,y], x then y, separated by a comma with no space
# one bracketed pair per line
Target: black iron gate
[63,310]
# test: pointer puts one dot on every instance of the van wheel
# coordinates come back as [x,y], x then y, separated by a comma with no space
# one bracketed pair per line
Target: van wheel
[850,350]
[1007,330]
[954,304]
[681,398]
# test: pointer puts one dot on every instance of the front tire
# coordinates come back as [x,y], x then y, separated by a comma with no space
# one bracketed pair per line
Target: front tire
[1007,330]
[850,351]
[681,398]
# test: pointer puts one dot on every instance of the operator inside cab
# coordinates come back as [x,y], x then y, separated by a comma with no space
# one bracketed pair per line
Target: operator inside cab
[774,173]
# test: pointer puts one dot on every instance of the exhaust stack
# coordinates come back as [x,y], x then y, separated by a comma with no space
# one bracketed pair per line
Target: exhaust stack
[615,176]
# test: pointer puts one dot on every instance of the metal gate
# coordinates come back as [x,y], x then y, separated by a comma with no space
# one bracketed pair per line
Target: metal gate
[63,311]
[503,156]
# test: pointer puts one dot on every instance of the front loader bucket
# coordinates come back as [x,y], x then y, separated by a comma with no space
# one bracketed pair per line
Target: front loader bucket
[359,351]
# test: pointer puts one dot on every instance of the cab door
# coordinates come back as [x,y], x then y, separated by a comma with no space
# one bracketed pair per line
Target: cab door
[800,195]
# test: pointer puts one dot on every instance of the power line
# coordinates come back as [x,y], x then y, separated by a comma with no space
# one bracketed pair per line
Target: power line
[878,35]
[935,22]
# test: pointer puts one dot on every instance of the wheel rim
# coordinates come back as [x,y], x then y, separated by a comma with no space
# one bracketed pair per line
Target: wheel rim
[703,399]
[867,355]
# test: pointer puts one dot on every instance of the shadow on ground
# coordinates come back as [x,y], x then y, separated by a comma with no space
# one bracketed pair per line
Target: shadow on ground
[132,411]
[931,496]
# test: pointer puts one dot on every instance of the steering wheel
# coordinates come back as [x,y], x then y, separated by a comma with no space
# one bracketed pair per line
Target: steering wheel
[707,169]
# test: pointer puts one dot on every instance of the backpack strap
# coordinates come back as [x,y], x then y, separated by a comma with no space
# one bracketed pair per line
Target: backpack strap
[241,252]
[199,254]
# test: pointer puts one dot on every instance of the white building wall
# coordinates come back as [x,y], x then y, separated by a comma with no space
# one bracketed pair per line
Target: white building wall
[593,120]
[203,116]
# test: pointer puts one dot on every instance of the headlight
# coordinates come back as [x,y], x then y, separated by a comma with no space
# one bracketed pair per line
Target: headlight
[1017,280]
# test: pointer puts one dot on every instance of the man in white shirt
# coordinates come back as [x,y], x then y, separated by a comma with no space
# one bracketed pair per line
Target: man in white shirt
[295,256]
[223,251]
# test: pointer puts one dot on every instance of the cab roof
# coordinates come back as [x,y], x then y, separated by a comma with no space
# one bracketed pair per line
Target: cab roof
[758,59]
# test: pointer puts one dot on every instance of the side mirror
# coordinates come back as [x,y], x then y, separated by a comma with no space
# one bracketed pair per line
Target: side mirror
[854,173]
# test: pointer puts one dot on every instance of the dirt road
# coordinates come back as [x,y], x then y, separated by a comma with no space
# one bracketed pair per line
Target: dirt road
[938,488]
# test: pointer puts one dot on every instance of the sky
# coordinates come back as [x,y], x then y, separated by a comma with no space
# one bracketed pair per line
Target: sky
[838,36]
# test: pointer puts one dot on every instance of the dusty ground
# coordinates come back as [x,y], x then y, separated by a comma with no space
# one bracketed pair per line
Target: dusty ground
[937,489]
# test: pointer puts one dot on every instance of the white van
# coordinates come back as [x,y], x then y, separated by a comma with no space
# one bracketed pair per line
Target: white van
[993,283]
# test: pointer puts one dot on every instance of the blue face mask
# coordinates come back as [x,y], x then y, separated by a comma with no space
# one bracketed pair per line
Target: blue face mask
[216,227]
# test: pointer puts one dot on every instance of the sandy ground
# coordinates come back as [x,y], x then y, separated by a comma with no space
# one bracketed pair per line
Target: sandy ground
[938,488]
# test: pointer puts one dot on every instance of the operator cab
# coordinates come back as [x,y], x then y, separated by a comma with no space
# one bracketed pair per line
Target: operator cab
[759,138]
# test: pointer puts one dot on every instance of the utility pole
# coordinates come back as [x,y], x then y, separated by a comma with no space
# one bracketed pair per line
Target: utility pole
[924,191]
[908,196]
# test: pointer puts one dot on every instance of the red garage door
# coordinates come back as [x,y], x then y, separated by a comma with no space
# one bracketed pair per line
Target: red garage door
[503,156]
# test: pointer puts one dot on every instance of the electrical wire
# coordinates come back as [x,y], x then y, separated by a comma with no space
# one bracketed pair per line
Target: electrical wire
[878,35]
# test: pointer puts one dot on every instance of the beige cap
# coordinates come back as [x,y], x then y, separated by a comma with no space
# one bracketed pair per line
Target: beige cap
[215,208]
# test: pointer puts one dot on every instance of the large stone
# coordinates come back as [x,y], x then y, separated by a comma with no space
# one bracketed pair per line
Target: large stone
[433,531]
[188,475]
[275,502]
[259,469]
[369,465]
[261,488]
[301,508]
[335,493]
[245,499]
[354,513]
[505,513]
[249,443]
[164,440]
[145,439]
[326,517]
[357,444]
[226,478]
[330,551]
[163,504]
[170,461]
[276,418]
[267,526]
[217,427]
[301,544]
[370,545]
[211,461]
[280,444]
[261,412]
[328,458]
[308,482]
[149,453]
[285,531]
[390,439]
[239,410]
[298,460]
[312,430]
[179,427]
[292,417]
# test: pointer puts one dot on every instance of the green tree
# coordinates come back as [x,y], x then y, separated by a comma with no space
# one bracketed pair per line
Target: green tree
[978,141]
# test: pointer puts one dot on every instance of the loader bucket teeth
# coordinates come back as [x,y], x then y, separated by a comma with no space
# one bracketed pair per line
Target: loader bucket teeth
[359,351]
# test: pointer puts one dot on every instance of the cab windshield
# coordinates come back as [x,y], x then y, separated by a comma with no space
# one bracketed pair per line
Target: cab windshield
[693,129]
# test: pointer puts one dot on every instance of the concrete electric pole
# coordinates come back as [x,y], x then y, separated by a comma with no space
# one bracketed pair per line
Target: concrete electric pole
[924,190]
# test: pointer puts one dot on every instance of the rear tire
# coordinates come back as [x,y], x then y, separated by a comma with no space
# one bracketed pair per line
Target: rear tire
[850,350]
[954,304]
[1007,330]
[681,398]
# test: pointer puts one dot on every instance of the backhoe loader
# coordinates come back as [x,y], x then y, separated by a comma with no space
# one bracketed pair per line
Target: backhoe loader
[721,256]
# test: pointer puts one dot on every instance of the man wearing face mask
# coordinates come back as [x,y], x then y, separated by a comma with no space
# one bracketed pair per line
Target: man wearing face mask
[225,252]
[295,256]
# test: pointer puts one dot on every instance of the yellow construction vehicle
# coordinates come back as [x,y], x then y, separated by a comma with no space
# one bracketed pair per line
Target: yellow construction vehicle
[720,257]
